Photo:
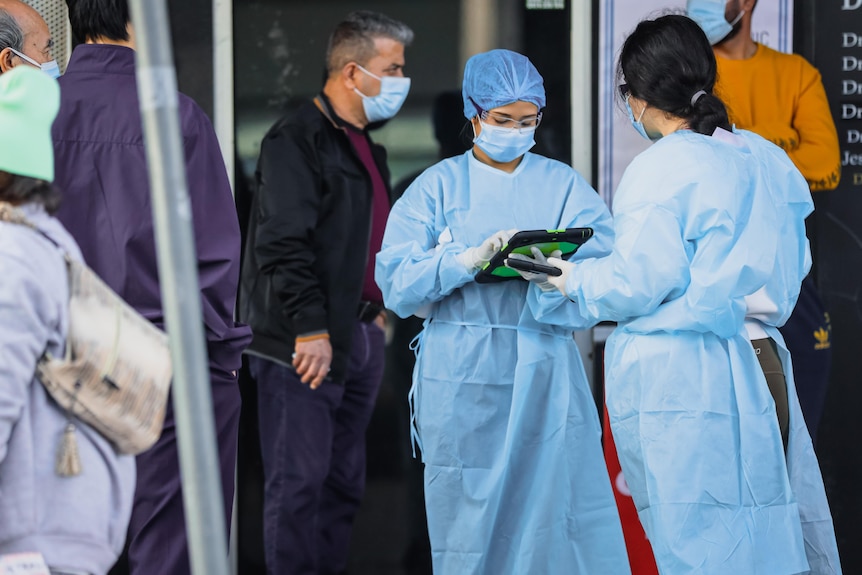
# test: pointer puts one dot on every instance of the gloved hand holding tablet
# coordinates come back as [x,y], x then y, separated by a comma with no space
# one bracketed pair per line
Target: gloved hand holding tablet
[515,262]
[566,241]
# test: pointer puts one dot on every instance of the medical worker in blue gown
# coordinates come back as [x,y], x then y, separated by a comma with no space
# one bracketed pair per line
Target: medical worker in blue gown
[709,243]
[515,480]
[767,310]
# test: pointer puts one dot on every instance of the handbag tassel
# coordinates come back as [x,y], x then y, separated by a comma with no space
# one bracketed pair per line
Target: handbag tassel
[68,458]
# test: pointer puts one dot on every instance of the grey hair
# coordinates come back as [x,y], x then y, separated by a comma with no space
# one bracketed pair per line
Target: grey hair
[353,38]
[11,35]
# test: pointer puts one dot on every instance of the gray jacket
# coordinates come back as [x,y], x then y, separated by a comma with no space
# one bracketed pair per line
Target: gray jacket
[77,523]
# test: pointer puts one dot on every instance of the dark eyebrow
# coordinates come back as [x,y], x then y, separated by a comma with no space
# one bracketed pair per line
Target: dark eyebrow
[49,44]
[510,117]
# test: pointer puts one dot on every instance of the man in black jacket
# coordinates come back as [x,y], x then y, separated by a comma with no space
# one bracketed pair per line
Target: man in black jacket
[308,292]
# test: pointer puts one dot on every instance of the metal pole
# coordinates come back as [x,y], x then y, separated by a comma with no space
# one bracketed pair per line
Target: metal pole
[223,117]
[199,467]
[582,129]
[478,27]
[582,88]
[223,121]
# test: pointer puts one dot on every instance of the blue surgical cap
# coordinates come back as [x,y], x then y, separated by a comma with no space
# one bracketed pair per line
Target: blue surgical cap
[500,77]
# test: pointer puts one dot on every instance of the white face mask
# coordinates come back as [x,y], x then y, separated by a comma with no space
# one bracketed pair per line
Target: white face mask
[505,144]
[393,92]
[51,68]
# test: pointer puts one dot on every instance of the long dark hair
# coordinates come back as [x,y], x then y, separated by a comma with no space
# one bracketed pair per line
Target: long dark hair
[666,62]
[18,190]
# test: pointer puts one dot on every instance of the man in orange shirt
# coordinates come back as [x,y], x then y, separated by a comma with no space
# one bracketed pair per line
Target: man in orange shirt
[781,97]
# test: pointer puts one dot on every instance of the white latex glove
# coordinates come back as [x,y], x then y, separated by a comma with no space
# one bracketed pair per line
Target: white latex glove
[475,258]
[559,281]
[539,279]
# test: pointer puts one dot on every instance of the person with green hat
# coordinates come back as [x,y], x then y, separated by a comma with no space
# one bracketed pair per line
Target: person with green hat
[68,524]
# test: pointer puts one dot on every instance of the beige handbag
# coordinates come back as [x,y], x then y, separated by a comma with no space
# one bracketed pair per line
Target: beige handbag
[116,372]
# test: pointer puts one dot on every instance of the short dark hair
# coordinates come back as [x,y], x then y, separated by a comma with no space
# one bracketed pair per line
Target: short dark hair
[18,190]
[353,38]
[666,62]
[11,35]
[91,19]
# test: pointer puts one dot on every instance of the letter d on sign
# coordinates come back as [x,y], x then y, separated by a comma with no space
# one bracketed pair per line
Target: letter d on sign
[851,4]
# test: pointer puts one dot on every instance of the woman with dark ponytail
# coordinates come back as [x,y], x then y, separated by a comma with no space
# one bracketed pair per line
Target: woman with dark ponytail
[709,244]
[670,74]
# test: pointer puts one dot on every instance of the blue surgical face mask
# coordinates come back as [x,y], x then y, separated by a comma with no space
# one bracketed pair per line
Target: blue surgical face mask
[505,144]
[393,92]
[709,14]
[638,124]
[51,68]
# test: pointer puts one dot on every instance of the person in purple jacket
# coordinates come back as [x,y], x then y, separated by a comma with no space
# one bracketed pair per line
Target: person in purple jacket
[101,167]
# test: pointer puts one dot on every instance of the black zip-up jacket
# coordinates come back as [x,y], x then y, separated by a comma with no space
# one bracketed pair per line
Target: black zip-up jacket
[308,234]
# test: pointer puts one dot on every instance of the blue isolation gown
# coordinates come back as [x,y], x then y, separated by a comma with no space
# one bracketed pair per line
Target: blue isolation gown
[515,479]
[792,200]
[693,419]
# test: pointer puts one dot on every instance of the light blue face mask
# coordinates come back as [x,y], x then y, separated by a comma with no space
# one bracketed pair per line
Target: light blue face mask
[709,14]
[638,125]
[393,92]
[51,68]
[505,144]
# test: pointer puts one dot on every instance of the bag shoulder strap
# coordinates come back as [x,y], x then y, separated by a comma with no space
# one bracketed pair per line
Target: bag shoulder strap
[11,214]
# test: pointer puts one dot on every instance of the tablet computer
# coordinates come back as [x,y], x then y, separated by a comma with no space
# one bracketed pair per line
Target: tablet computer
[566,240]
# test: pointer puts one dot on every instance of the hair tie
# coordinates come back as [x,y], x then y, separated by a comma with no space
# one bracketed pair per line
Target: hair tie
[697,96]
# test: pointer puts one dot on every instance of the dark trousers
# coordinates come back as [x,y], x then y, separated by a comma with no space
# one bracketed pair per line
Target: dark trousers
[770,363]
[157,542]
[808,335]
[313,451]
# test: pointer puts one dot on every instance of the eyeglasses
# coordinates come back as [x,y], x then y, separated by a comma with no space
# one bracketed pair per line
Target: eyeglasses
[528,123]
